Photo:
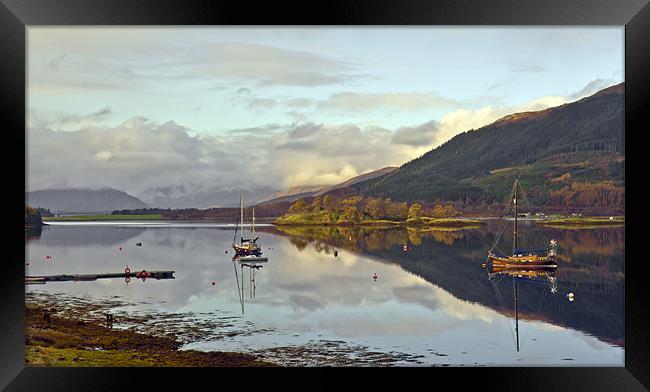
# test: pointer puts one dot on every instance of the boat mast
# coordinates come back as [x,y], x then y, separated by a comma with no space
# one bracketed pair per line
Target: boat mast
[241,209]
[253,225]
[514,235]
[514,283]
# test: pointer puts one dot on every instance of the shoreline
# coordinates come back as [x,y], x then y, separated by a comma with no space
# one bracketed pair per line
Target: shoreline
[54,340]
[424,222]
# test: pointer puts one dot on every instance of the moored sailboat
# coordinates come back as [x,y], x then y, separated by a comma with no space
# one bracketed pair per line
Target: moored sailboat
[245,246]
[543,258]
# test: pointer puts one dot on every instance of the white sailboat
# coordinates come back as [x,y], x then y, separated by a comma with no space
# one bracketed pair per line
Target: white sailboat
[246,248]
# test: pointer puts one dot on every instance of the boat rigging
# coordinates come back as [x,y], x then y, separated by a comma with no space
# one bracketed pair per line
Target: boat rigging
[529,258]
[245,246]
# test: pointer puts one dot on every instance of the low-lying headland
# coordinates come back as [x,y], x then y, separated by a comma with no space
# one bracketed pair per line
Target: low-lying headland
[585,222]
[102,217]
[54,339]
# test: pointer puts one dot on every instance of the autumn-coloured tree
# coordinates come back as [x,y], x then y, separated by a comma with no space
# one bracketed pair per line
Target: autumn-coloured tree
[584,194]
[403,210]
[330,203]
[415,211]
[449,211]
[350,215]
[438,211]
[32,217]
[374,208]
[352,201]
[299,206]
[316,204]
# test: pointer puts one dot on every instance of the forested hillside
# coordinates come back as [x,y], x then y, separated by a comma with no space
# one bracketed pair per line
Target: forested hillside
[567,156]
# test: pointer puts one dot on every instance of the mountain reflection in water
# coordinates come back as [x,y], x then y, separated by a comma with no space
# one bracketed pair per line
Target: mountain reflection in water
[431,301]
[591,264]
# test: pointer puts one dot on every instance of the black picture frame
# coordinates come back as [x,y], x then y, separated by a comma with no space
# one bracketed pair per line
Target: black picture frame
[17,15]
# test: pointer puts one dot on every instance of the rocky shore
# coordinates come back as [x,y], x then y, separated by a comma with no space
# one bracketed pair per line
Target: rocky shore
[60,340]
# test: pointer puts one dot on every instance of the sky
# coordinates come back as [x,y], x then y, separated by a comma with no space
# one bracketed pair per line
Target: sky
[151,110]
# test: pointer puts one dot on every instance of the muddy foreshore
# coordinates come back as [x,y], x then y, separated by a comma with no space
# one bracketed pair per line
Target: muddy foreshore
[55,339]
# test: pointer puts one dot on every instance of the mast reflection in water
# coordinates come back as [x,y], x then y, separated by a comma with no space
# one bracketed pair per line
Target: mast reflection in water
[253,264]
[544,276]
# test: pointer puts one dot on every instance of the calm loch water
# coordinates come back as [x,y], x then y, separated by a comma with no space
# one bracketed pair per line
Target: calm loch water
[317,302]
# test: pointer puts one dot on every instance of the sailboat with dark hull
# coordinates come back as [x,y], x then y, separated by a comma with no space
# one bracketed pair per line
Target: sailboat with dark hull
[542,258]
[522,265]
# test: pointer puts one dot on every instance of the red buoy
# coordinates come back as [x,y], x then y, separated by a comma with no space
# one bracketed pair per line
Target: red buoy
[213,283]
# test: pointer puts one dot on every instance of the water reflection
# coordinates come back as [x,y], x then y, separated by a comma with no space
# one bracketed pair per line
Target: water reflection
[591,264]
[253,264]
[544,275]
[431,297]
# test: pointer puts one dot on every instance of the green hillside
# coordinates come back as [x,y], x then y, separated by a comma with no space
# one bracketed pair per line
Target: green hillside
[567,156]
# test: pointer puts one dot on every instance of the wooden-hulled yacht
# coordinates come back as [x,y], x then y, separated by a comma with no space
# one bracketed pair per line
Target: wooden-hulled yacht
[521,258]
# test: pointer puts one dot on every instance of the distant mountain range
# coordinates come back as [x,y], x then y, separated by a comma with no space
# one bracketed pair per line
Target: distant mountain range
[211,197]
[83,200]
[296,193]
[569,156]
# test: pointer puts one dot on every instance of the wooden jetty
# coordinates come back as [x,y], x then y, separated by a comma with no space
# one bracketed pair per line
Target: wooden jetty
[90,277]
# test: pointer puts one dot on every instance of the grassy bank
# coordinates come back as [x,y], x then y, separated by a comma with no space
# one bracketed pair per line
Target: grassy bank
[53,340]
[324,219]
[102,217]
[426,222]
[585,222]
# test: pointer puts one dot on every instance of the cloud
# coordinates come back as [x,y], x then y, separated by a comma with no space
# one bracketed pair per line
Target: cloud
[133,156]
[592,87]
[269,65]
[102,112]
[145,62]
[422,135]
[299,102]
[145,157]
[462,120]
[526,66]
[142,156]
[413,101]
[74,121]
[262,103]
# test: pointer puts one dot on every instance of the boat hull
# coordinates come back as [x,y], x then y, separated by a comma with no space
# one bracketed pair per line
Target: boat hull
[246,250]
[251,259]
[521,262]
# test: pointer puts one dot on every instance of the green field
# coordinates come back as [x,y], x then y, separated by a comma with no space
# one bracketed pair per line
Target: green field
[102,217]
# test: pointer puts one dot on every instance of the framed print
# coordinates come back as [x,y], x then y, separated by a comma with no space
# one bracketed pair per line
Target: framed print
[372,184]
